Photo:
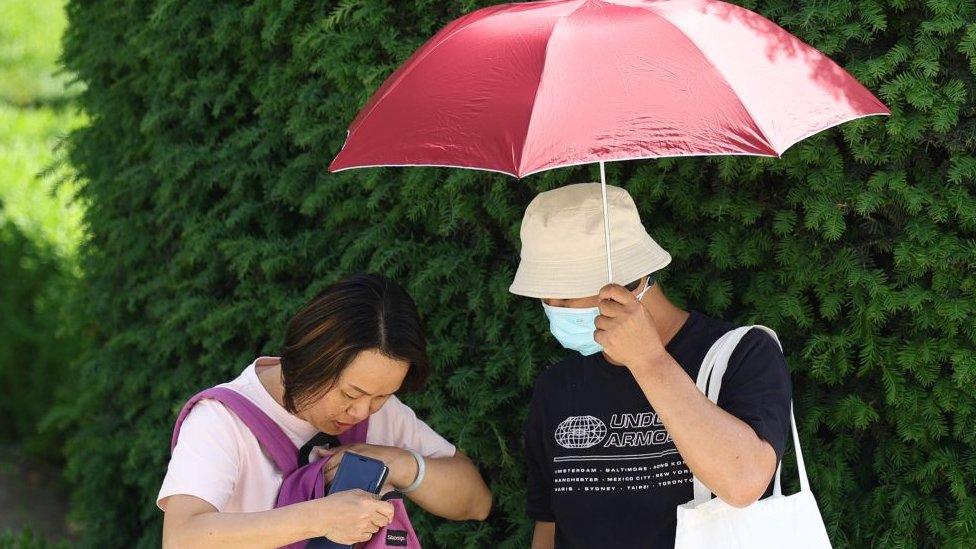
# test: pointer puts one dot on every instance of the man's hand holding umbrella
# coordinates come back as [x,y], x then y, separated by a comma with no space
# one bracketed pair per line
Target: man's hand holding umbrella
[626,329]
[705,434]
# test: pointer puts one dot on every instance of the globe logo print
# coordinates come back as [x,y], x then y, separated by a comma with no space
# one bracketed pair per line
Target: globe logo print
[580,432]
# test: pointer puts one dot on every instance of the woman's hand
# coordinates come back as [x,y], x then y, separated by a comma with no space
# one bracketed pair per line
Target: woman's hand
[353,516]
[402,465]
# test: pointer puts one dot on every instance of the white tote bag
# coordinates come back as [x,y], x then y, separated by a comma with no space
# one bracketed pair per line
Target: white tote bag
[778,521]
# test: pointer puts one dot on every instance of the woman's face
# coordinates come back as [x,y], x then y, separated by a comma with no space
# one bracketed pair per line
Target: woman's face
[361,390]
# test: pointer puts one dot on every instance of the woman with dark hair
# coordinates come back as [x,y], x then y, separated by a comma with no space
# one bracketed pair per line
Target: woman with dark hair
[345,354]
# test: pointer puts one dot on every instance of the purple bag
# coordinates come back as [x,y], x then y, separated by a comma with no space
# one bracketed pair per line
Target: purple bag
[301,483]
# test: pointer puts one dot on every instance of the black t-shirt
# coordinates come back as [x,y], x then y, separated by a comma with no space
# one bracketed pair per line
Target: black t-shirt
[600,463]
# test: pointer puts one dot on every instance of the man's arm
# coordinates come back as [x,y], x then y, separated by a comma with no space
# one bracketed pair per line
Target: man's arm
[544,535]
[724,452]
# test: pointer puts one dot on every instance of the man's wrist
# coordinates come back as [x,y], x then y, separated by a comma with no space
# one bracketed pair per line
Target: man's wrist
[650,362]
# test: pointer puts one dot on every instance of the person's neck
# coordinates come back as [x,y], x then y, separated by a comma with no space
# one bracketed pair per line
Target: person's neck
[668,318]
[270,378]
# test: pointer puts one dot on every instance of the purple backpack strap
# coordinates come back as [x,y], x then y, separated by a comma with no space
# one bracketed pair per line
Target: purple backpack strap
[356,433]
[271,438]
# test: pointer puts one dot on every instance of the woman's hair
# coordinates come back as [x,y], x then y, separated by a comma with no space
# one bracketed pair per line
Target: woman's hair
[358,313]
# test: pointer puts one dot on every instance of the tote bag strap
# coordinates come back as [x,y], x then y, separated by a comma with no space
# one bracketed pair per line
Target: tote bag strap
[709,382]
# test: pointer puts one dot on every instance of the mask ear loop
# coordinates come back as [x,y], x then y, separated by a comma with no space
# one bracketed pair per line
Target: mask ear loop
[647,286]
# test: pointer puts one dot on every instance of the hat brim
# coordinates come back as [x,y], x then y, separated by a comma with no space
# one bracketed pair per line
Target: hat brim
[568,279]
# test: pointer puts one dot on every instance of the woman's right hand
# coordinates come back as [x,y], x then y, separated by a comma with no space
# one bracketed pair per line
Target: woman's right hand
[353,516]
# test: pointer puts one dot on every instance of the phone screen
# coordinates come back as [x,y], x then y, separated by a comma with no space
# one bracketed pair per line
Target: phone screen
[356,471]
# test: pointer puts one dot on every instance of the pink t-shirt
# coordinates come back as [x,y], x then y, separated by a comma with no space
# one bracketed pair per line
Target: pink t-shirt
[218,460]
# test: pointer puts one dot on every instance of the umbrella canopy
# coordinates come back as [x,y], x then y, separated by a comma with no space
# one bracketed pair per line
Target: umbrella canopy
[522,88]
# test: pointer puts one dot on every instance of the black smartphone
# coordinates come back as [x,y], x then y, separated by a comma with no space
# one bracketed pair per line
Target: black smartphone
[355,471]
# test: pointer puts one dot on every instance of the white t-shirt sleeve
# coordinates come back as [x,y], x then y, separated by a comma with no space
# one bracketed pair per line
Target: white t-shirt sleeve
[396,424]
[207,458]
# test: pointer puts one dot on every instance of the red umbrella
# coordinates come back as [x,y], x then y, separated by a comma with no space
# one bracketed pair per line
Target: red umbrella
[522,88]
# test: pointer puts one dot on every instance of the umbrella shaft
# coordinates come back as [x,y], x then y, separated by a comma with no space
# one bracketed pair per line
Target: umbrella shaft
[606,221]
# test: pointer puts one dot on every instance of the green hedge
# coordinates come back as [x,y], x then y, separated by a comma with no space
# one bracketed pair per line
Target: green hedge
[213,217]
[27,539]
[37,341]
[39,229]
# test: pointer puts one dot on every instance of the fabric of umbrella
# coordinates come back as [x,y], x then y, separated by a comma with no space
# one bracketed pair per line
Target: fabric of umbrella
[526,87]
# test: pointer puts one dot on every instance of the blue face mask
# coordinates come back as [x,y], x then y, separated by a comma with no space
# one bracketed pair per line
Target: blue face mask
[573,328]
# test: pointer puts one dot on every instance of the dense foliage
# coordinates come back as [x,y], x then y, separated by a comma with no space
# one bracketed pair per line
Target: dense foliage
[36,344]
[39,227]
[27,539]
[213,217]
[39,230]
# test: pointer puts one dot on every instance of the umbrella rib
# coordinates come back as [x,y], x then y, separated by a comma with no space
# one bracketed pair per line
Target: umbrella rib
[461,25]
[834,125]
[644,157]
[478,168]
[745,107]
[535,98]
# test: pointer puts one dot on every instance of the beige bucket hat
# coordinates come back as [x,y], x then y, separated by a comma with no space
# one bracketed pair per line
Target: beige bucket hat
[564,245]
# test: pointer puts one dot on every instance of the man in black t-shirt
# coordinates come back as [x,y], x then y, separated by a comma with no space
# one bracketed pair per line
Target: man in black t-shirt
[616,429]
